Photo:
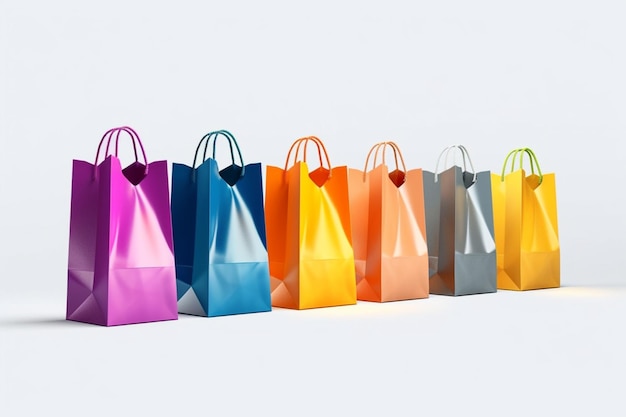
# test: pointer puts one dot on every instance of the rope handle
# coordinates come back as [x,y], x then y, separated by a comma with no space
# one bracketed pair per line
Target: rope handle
[376,149]
[108,136]
[117,141]
[320,148]
[464,154]
[206,139]
[534,163]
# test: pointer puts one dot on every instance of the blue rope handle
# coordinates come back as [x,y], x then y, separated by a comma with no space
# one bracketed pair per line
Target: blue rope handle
[206,139]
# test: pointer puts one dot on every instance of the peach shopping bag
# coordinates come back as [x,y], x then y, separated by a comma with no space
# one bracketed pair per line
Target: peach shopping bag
[388,229]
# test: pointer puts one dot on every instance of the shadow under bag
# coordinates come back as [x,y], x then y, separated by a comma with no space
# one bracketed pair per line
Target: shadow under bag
[219,235]
[121,260]
[460,233]
[527,234]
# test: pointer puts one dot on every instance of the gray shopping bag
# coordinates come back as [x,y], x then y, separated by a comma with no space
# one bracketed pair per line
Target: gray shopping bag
[459,228]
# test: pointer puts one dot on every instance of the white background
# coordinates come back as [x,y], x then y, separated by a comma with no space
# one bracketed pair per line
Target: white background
[491,75]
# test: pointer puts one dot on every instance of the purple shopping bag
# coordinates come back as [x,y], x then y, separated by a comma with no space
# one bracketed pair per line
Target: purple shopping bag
[121,263]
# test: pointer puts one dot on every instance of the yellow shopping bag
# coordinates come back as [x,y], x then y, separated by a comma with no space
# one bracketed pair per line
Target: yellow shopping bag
[308,232]
[526,228]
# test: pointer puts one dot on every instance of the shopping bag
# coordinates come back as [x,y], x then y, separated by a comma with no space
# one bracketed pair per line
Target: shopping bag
[459,228]
[121,260]
[308,232]
[219,234]
[526,228]
[388,229]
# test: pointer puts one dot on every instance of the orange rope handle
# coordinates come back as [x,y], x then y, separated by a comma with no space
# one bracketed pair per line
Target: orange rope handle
[298,144]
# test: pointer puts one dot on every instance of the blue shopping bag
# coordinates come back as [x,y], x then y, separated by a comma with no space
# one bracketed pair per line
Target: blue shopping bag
[219,234]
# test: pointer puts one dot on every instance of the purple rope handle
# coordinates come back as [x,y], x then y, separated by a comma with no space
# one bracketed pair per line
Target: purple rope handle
[117,141]
[108,135]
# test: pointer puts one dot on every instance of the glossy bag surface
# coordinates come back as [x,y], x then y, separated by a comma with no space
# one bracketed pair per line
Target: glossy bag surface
[121,261]
[308,233]
[388,230]
[526,226]
[460,230]
[219,236]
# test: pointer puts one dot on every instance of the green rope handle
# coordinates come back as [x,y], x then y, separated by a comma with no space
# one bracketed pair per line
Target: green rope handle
[513,153]
[534,163]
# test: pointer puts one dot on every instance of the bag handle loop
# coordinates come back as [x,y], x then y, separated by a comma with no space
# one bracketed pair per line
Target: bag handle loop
[108,136]
[376,149]
[117,140]
[464,154]
[534,163]
[320,149]
[206,139]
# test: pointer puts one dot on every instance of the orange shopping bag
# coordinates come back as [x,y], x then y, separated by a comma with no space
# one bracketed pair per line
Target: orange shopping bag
[308,232]
[388,229]
[526,228]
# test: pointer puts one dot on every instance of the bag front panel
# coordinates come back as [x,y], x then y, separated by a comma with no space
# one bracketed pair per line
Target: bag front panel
[475,273]
[237,288]
[397,257]
[183,202]
[142,277]
[530,258]
[475,248]
[501,191]
[540,247]
[539,217]
[282,225]
[140,226]
[235,217]
[403,237]
[432,206]
[87,286]
[139,295]
[358,191]
[444,282]
[230,240]
[325,240]
[474,233]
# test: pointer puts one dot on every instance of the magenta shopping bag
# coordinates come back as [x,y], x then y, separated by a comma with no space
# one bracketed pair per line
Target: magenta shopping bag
[121,261]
